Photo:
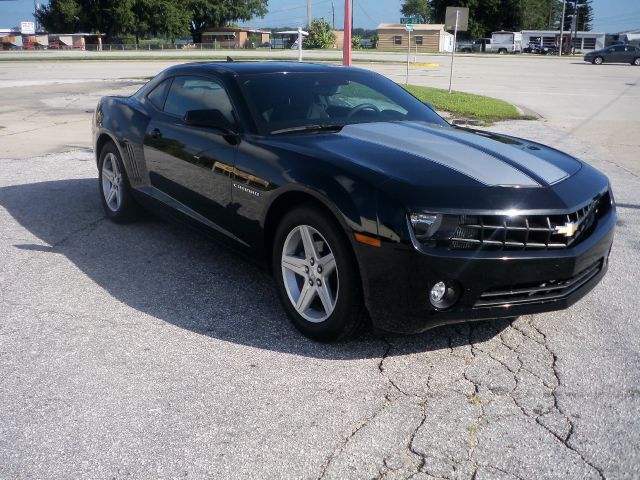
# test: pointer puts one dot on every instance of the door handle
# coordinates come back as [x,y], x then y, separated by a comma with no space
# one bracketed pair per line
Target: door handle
[156,133]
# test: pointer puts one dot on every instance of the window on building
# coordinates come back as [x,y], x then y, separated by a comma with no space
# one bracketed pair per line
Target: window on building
[589,43]
[418,40]
[577,43]
[397,40]
[548,41]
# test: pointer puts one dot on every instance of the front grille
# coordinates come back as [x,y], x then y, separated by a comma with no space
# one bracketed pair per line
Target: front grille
[504,232]
[533,293]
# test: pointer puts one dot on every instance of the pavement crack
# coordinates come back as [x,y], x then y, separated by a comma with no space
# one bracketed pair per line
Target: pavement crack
[566,441]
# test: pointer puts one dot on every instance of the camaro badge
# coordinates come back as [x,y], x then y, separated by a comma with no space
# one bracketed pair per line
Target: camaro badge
[245,189]
[569,229]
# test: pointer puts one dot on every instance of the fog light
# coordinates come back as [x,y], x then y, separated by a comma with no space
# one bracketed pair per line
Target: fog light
[444,294]
[437,292]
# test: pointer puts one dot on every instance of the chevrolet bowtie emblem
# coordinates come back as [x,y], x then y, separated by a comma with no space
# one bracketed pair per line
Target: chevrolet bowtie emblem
[569,229]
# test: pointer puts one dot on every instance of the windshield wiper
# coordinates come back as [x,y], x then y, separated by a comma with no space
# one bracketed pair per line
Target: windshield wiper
[309,128]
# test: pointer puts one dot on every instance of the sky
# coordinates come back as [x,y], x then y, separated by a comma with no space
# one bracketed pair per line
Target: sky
[610,16]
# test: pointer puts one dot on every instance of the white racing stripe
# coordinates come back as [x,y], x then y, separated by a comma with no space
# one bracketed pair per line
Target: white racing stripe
[448,152]
[543,169]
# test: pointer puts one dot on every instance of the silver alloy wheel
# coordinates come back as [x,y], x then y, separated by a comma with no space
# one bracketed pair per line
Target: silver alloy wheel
[598,60]
[636,62]
[310,273]
[111,182]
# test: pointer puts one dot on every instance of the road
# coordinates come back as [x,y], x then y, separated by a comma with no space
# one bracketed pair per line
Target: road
[146,351]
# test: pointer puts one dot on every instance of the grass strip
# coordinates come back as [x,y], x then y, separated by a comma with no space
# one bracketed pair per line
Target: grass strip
[467,105]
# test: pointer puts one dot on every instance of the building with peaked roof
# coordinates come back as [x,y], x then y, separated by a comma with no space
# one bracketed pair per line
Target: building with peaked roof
[234,37]
[425,37]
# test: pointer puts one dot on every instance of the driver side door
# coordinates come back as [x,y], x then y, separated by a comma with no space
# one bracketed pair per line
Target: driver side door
[192,165]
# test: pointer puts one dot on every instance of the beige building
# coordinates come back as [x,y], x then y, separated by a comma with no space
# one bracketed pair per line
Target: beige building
[425,37]
[234,37]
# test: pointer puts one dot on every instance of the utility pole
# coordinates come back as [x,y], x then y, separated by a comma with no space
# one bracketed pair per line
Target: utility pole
[575,26]
[35,15]
[308,12]
[346,44]
[333,16]
[352,12]
[564,6]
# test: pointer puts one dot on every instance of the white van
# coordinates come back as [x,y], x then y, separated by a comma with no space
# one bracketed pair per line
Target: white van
[506,42]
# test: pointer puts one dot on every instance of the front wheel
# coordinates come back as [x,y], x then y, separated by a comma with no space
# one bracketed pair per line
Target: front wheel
[636,62]
[598,61]
[115,193]
[317,276]
[502,51]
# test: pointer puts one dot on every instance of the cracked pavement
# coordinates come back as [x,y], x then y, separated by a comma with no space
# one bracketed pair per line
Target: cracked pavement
[147,351]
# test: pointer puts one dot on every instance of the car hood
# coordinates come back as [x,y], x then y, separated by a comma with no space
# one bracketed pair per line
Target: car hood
[428,155]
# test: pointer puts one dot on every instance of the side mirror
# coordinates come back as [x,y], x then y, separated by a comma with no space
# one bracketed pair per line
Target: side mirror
[214,119]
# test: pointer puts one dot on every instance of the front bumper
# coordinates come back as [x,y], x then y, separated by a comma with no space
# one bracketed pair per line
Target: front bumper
[398,279]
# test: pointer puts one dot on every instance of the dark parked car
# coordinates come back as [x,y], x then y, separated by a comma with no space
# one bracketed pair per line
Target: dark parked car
[615,54]
[361,200]
[540,49]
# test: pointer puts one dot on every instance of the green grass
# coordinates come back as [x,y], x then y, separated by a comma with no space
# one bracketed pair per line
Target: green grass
[467,105]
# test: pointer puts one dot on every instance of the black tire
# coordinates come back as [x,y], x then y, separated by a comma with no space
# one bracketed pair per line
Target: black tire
[598,61]
[127,210]
[502,51]
[349,314]
[636,62]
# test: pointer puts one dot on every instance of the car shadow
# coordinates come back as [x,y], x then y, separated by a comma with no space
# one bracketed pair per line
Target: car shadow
[181,277]
[605,64]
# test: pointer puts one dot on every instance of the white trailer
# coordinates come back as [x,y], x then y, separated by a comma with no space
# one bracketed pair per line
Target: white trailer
[505,42]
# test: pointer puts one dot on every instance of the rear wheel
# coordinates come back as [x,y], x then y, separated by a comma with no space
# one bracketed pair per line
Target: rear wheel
[317,276]
[598,61]
[115,192]
[502,51]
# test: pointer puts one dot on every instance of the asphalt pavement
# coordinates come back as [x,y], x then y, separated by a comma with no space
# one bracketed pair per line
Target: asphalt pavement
[147,351]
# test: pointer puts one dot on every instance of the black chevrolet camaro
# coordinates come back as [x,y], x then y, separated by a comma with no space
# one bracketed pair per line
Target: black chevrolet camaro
[360,199]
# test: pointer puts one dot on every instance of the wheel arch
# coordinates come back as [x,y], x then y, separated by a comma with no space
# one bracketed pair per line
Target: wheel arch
[103,138]
[288,201]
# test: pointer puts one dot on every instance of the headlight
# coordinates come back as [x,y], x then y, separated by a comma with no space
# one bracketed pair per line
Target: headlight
[430,228]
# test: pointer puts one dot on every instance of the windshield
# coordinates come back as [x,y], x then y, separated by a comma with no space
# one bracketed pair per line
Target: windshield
[282,101]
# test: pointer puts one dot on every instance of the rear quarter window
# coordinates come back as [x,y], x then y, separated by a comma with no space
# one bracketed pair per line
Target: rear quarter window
[158,94]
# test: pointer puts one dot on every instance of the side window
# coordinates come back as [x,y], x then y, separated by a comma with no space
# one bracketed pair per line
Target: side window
[618,48]
[197,93]
[397,40]
[158,94]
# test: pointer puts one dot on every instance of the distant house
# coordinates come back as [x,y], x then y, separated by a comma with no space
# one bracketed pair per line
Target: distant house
[425,37]
[234,37]
[584,41]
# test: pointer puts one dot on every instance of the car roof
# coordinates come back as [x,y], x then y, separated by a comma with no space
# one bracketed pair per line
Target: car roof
[236,67]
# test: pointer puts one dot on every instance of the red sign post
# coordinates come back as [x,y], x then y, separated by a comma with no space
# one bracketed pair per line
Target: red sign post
[346,46]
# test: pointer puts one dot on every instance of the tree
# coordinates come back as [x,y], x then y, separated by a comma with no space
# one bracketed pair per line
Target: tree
[584,11]
[416,8]
[217,13]
[486,16]
[320,35]
[59,16]
[139,18]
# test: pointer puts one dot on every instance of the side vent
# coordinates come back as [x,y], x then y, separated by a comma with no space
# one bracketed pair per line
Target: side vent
[133,163]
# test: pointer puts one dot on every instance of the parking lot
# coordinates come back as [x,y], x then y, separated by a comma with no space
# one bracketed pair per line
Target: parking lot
[146,351]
